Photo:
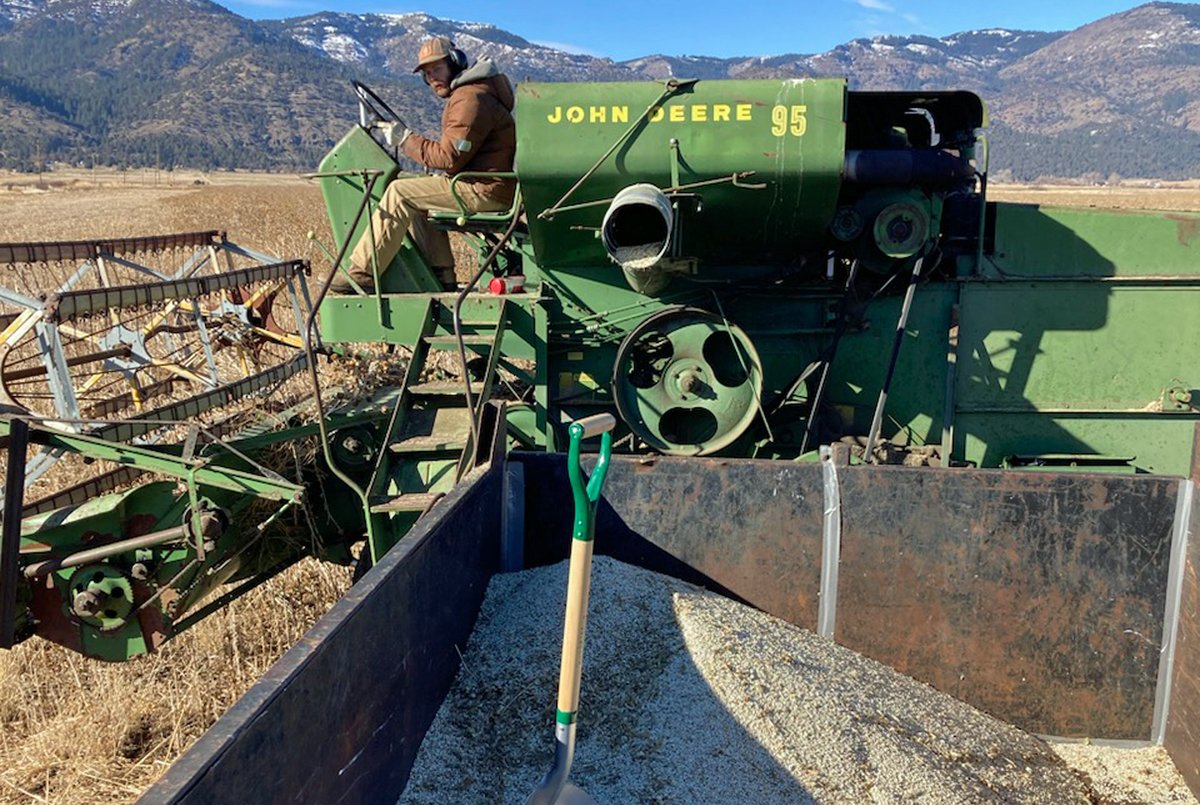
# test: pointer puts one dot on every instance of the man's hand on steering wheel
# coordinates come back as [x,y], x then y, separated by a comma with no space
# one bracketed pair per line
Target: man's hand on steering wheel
[382,117]
[394,134]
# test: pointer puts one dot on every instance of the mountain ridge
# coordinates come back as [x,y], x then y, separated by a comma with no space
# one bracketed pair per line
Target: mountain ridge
[189,82]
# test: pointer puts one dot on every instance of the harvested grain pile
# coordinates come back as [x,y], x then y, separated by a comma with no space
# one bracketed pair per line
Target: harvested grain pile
[690,697]
[1126,776]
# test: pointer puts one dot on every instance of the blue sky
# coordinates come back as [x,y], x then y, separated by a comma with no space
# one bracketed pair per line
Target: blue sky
[624,29]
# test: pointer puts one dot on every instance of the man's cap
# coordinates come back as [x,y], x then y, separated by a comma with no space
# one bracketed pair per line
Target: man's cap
[433,50]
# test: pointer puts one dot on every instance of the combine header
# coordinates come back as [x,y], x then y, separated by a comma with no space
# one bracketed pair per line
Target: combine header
[142,353]
[784,271]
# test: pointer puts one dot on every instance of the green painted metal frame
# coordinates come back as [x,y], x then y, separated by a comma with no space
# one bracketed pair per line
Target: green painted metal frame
[1086,292]
[205,472]
[343,175]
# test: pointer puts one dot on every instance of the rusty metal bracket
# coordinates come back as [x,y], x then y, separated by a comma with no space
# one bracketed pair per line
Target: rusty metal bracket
[831,550]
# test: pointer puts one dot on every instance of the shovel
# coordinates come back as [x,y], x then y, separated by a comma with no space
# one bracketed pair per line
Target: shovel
[556,787]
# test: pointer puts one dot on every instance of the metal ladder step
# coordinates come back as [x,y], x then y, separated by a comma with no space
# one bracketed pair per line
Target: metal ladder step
[439,388]
[450,342]
[429,444]
[412,502]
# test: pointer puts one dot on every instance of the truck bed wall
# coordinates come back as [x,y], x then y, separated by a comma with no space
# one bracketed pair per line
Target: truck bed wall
[340,717]
[1036,597]
[1040,598]
[1183,725]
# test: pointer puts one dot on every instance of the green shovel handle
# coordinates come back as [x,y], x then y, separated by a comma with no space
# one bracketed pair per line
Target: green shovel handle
[579,573]
[587,494]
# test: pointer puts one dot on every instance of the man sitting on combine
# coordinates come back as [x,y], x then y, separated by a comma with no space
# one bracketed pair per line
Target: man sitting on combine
[478,134]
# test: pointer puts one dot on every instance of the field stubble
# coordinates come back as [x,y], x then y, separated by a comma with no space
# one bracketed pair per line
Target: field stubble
[74,730]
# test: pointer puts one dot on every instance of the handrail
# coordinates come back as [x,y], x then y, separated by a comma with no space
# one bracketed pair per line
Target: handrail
[463,212]
[458,303]
[307,336]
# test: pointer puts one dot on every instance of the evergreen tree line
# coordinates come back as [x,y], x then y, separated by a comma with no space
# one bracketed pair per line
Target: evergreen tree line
[1150,151]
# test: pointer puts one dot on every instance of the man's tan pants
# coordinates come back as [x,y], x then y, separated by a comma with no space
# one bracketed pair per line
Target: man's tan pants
[403,209]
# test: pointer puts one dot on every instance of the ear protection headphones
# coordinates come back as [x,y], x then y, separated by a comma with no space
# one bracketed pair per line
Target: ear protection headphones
[457,59]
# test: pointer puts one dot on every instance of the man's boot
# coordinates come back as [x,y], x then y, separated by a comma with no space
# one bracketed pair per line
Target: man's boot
[364,278]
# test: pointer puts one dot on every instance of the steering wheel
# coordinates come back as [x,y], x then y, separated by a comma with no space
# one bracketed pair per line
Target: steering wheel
[369,101]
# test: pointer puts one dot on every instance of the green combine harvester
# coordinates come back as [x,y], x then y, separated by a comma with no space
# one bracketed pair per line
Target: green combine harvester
[850,390]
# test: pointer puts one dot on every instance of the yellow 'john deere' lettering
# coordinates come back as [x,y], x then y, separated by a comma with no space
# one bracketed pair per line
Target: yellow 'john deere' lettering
[792,120]
[593,114]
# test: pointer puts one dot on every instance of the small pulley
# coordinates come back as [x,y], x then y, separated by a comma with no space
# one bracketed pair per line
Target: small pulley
[687,382]
[101,596]
[887,227]
[355,448]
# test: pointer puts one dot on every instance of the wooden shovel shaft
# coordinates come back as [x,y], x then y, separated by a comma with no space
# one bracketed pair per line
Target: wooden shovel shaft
[578,586]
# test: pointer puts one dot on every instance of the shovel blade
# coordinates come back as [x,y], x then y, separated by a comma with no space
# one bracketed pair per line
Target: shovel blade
[572,794]
[569,794]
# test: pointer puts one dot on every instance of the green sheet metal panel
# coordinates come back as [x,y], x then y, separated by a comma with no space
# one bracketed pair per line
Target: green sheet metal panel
[791,133]
[1154,443]
[1076,347]
[344,178]
[355,153]
[916,399]
[1075,341]
[1077,367]
[1053,241]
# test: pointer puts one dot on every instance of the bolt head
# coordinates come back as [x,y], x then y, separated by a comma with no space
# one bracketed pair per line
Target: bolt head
[86,604]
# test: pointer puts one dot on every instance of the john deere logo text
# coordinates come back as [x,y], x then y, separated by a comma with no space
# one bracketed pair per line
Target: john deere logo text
[784,119]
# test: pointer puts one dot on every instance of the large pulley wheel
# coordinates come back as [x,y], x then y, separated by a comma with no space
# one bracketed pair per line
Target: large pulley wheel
[686,382]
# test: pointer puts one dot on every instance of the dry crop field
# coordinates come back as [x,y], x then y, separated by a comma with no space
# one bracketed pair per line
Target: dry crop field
[74,730]
[1175,196]
[77,731]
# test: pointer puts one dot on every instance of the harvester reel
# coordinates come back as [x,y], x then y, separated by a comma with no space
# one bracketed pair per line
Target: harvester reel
[124,339]
[130,342]
[687,382]
[121,345]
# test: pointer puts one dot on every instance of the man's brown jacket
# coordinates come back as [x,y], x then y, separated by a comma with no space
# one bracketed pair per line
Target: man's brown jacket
[478,132]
